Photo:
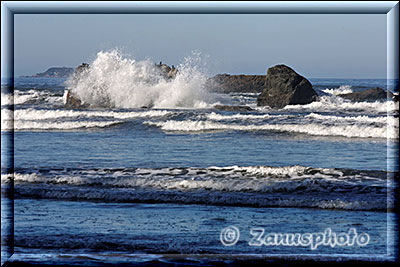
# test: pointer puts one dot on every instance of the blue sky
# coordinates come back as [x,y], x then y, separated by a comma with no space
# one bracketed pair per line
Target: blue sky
[317,46]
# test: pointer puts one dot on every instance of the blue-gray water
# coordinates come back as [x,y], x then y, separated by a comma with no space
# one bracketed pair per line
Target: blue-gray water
[111,184]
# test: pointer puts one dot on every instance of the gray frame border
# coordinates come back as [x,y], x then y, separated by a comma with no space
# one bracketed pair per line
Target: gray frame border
[10,8]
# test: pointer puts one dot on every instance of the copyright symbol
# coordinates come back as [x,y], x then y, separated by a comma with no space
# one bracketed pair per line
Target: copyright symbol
[229,236]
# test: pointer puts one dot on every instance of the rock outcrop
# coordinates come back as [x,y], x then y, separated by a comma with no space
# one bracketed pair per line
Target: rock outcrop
[372,94]
[283,86]
[71,101]
[225,83]
[81,68]
[233,108]
[167,71]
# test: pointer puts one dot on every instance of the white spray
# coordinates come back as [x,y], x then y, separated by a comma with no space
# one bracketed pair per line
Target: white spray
[115,81]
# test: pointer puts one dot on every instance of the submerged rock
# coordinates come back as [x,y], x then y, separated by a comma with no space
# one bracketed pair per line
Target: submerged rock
[233,108]
[283,86]
[372,94]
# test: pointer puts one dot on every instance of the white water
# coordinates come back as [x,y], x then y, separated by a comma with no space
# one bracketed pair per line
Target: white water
[230,178]
[238,116]
[343,89]
[127,83]
[337,104]
[66,125]
[361,131]
[33,114]
[22,97]
[44,119]
[358,119]
[287,186]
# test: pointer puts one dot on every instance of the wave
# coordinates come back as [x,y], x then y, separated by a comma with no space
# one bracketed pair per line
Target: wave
[42,119]
[254,186]
[35,114]
[343,89]
[337,104]
[32,96]
[230,178]
[67,125]
[238,116]
[360,119]
[127,83]
[361,131]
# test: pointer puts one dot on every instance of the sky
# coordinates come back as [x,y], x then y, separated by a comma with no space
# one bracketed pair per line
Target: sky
[316,46]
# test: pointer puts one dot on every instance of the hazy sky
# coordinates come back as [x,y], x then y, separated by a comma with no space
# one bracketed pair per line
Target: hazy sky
[317,46]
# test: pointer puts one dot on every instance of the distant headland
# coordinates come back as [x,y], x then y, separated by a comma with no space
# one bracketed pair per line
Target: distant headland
[53,72]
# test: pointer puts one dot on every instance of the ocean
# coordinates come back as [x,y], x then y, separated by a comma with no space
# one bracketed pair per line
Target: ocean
[175,183]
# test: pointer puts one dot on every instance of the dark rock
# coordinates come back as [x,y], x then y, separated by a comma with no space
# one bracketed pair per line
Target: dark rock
[81,68]
[283,86]
[72,101]
[225,83]
[167,71]
[55,72]
[372,94]
[233,108]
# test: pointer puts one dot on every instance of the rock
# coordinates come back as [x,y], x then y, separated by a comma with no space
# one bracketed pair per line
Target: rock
[82,67]
[283,86]
[233,108]
[372,94]
[72,101]
[225,83]
[167,71]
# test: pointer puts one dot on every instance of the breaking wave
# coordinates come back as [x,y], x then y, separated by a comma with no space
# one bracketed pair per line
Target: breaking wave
[332,103]
[326,118]
[66,125]
[49,119]
[127,83]
[295,186]
[238,116]
[359,119]
[361,131]
[33,114]
[32,96]
[343,89]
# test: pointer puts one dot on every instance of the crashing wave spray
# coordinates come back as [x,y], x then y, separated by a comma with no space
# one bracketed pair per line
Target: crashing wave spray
[115,81]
